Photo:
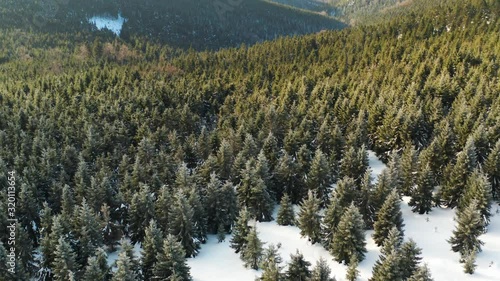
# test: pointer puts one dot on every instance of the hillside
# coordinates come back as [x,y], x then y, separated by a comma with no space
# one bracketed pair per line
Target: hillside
[109,141]
[200,24]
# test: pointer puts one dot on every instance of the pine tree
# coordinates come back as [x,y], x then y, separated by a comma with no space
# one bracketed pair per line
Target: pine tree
[64,266]
[409,259]
[468,229]
[271,272]
[364,201]
[319,178]
[354,164]
[469,261]
[253,194]
[97,268]
[162,208]
[331,219]
[288,178]
[478,189]
[381,191]
[124,271]
[392,242]
[252,252]
[389,216]
[352,271]
[298,268]
[153,242]
[171,262]
[199,215]
[271,253]
[309,220]
[225,158]
[421,196]
[88,232]
[395,172]
[181,224]
[492,169]
[387,269]
[409,169]
[286,215]
[421,274]
[321,271]
[141,212]
[240,231]
[346,191]
[349,237]
[455,183]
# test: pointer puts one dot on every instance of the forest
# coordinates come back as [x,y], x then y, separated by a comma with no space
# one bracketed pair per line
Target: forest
[115,141]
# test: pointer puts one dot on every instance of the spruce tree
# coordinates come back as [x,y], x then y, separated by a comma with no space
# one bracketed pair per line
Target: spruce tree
[421,274]
[271,271]
[308,219]
[298,268]
[321,271]
[408,169]
[252,252]
[492,169]
[346,191]
[364,201]
[478,189]
[87,227]
[469,261]
[395,172]
[153,242]
[288,178]
[392,242]
[124,271]
[468,229]
[349,237]
[331,219]
[162,208]
[286,215]
[352,271]
[381,191]
[388,217]
[171,262]
[421,196]
[409,259]
[64,265]
[140,213]
[97,268]
[240,231]
[181,224]
[387,268]
[253,194]
[319,178]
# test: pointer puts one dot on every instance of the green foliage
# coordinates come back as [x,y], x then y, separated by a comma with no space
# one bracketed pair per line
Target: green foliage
[171,262]
[388,217]
[349,237]
[468,229]
[286,214]
[308,218]
[298,268]
[321,271]
[240,231]
[252,252]
[421,197]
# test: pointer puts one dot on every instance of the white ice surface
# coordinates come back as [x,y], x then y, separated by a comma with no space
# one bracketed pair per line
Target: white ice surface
[111,23]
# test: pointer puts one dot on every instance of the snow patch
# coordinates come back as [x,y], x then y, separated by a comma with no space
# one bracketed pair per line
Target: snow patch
[106,22]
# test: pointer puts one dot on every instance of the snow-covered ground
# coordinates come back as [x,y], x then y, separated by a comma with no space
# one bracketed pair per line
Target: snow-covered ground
[111,23]
[217,261]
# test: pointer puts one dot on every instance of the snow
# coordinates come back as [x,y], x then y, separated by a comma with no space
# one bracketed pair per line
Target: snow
[113,257]
[107,22]
[217,261]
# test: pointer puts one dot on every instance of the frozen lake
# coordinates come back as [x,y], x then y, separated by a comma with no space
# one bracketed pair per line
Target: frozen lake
[111,23]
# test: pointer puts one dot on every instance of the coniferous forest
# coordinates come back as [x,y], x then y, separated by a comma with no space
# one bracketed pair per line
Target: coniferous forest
[168,141]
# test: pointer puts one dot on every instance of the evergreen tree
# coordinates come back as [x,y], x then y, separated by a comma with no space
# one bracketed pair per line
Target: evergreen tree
[364,201]
[252,252]
[124,271]
[331,219]
[88,232]
[321,271]
[319,178]
[298,268]
[153,242]
[271,271]
[162,208]
[221,233]
[478,189]
[271,253]
[97,268]
[286,215]
[409,259]
[381,191]
[409,161]
[392,242]
[421,274]
[349,237]
[253,194]
[395,172]
[352,271]
[171,262]
[354,163]
[455,183]
[199,216]
[388,217]
[387,269]
[421,196]
[181,224]
[225,158]
[141,212]
[492,169]
[309,220]
[469,261]
[64,266]
[288,179]
[346,191]
[468,229]
[240,231]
